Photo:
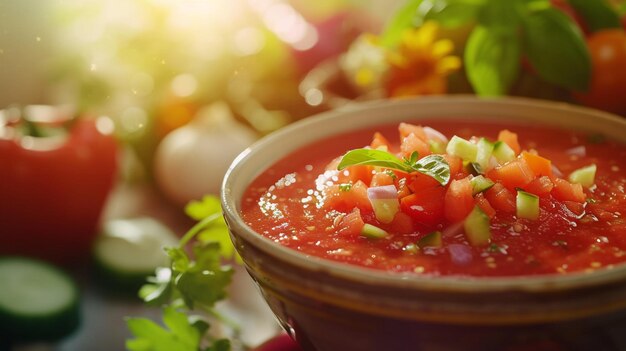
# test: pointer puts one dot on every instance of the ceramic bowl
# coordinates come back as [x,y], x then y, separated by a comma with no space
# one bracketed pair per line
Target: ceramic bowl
[325,305]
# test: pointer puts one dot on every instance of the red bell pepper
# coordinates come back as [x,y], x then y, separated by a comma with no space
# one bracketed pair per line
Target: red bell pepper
[53,188]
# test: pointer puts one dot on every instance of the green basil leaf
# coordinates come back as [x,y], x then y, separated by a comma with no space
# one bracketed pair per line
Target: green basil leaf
[499,13]
[372,157]
[556,49]
[434,166]
[598,14]
[492,60]
[454,13]
[407,17]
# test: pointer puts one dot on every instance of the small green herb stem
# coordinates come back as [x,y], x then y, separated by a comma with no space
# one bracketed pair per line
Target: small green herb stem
[236,327]
[197,229]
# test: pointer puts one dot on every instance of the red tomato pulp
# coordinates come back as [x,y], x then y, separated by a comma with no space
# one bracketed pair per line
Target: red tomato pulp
[286,204]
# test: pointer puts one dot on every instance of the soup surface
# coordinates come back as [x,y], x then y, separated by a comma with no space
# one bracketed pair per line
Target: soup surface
[541,210]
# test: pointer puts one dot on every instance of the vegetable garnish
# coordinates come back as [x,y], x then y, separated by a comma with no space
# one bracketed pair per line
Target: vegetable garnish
[434,166]
[192,282]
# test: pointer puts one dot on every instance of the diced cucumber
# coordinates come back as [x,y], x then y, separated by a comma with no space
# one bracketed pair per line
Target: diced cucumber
[462,148]
[437,146]
[38,302]
[480,184]
[472,168]
[584,176]
[385,209]
[527,205]
[477,228]
[430,240]
[373,232]
[129,250]
[483,153]
[503,152]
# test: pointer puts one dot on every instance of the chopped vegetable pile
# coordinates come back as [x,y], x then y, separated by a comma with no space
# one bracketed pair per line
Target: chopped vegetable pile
[456,198]
[435,181]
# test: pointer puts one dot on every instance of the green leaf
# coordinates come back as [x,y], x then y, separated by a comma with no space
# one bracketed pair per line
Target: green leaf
[454,13]
[556,49]
[407,17]
[179,325]
[199,210]
[150,336]
[205,282]
[373,157]
[434,166]
[499,13]
[598,14]
[492,60]
[159,291]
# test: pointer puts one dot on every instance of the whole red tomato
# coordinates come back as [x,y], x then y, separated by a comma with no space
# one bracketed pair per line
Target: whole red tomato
[608,81]
[53,188]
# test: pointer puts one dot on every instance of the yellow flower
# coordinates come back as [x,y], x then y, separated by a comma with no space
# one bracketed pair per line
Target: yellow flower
[422,62]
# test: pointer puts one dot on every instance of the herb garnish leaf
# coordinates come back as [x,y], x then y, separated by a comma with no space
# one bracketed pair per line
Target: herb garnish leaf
[194,280]
[431,165]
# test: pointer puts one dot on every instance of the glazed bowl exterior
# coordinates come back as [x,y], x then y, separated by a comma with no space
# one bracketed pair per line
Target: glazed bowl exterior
[330,306]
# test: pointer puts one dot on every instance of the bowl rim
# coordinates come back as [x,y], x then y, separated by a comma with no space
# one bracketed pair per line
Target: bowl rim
[450,284]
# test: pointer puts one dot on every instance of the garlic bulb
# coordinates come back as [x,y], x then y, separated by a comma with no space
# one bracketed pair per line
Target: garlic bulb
[191,161]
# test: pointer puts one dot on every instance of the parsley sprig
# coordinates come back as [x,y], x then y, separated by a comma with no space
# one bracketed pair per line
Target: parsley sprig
[194,281]
[432,165]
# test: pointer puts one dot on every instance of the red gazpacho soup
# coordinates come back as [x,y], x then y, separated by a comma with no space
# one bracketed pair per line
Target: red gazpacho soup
[450,198]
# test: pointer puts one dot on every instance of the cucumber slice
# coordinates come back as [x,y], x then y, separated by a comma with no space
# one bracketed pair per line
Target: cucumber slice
[584,176]
[483,153]
[462,148]
[430,240]
[527,205]
[480,184]
[477,228]
[129,250]
[503,152]
[373,232]
[38,302]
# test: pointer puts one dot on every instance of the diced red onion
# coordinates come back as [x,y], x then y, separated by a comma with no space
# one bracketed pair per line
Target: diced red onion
[580,151]
[435,134]
[382,192]
[460,254]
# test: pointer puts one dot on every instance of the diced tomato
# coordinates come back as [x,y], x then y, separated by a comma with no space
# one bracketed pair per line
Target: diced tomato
[356,173]
[578,208]
[541,186]
[510,139]
[425,206]
[351,224]
[421,181]
[515,174]
[458,200]
[347,200]
[501,198]
[566,191]
[413,143]
[539,165]
[379,140]
[481,201]
[456,166]
[382,178]
[407,129]
[402,223]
